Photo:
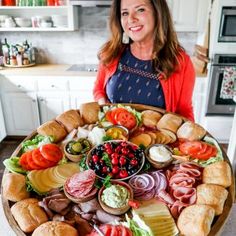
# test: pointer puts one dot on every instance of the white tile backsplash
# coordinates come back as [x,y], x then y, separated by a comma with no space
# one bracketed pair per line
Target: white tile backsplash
[79,47]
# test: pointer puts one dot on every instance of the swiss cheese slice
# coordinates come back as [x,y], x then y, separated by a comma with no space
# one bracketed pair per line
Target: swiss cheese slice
[157,216]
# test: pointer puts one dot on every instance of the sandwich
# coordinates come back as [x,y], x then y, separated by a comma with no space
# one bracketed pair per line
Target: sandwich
[212,195]
[170,122]
[55,228]
[191,131]
[196,220]
[89,112]
[12,191]
[70,120]
[54,129]
[28,214]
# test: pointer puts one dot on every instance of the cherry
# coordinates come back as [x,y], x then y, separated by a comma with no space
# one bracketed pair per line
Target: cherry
[114,161]
[115,169]
[122,161]
[95,158]
[123,174]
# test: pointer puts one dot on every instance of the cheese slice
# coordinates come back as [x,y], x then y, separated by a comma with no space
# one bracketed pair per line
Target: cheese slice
[157,216]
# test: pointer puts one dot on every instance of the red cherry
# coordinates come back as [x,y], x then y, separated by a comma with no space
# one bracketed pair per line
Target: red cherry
[134,162]
[123,174]
[115,169]
[114,161]
[125,151]
[104,169]
[131,155]
[114,155]
[122,160]
[95,158]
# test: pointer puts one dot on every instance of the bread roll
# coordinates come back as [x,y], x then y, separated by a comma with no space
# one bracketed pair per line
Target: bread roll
[70,120]
[196,220]
[54,129]
[170,122]
[212,195]
[191,131]
[55,228]
[89,112]
[150,118]
[217,173]
[14,187]
[28,214]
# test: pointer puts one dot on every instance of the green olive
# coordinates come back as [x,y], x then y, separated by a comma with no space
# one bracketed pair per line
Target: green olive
[77,147]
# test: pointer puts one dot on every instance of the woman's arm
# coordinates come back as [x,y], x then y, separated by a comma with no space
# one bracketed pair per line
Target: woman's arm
[185,107]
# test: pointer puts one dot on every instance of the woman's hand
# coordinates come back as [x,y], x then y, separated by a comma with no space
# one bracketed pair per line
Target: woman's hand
[102,101]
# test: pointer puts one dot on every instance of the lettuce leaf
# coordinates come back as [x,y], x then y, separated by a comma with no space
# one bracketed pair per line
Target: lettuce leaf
[12,164]
[137,226]
[218,157]
[36,142]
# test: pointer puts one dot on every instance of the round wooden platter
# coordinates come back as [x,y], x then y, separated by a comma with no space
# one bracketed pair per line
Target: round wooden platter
[218,222]
[22,66]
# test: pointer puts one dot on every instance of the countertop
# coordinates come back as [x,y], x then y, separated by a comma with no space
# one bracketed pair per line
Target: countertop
[54,70]
[44,70]
[229,228]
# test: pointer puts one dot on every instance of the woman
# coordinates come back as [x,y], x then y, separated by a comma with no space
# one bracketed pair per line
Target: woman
[143,61]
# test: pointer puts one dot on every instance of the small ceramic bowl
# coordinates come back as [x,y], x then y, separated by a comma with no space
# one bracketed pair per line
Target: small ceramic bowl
[75,157]
[159,164]
[140,158]
[117,132]
[78,200]
[120,210]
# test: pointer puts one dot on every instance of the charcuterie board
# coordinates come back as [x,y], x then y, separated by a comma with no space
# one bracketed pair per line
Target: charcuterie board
[155,132]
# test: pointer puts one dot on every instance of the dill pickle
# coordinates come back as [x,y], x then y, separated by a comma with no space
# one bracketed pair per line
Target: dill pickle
[77,147]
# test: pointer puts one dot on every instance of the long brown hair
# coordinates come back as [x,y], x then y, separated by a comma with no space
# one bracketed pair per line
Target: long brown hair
[166,49]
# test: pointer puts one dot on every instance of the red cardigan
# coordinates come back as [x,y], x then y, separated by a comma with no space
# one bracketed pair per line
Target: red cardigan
[177,89]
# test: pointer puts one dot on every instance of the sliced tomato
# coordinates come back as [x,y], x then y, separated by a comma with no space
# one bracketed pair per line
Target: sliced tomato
[106,229]
[51,152]
[117,111]
[40,160]
[190,147]
[23,161]
[126,119]
[134,204]
[210,152]
[203,149]
[114,231]
[31,163]
[109,117]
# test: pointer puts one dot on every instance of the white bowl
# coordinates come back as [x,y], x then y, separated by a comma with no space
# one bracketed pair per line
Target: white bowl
[23,22]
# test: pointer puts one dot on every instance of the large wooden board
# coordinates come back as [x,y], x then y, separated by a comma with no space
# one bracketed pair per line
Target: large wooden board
[218,223]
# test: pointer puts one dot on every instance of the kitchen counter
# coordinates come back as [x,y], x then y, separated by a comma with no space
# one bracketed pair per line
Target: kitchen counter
[44,70]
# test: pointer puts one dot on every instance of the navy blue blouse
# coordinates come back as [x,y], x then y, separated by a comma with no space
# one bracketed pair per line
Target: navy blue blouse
[135,82]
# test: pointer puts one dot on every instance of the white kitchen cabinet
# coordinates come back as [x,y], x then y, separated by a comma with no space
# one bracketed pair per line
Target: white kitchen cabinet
[20,112]
[52,104]
[199,94]
[2,124]
[70,12]
[189,15]
[81,90]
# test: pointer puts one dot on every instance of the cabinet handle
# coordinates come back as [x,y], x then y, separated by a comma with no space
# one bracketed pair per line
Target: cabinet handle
[19,86]
[33,100]
[52,86]
[41,99]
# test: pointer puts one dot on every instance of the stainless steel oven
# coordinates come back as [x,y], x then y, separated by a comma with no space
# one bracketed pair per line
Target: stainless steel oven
[227,31]
[216,105]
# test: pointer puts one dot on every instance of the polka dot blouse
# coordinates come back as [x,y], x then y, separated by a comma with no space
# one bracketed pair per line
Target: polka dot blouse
[135,82]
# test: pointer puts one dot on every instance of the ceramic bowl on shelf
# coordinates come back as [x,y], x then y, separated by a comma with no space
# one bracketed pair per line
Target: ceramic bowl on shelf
[115,199]
[23,22]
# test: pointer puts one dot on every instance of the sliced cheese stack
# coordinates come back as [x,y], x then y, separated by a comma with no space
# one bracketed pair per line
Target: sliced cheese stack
[157,216]
[45,180]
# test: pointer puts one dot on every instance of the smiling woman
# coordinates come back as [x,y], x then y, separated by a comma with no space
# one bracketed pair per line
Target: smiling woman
[143,61]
